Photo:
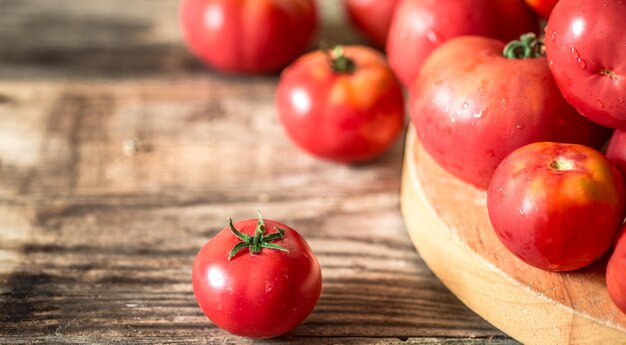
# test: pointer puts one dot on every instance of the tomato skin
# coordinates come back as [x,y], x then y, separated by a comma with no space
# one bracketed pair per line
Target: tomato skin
[372,17]
[259,295]
[542,7]
[616,150]
[471,107]
[247,36]
[616,274]
[585,41]
[556,219]
[342,117]
[420,26]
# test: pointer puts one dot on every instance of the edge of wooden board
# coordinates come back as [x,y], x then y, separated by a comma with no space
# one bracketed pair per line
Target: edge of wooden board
[518,310]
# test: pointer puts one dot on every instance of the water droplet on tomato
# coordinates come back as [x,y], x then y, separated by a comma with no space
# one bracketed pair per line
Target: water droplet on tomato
[553,36]
[520,126]
[621,99]
[465,105]
[588,93]
[452,119]
[432,36]
[551,63]
[490,153]
[579,4]
[599,103]
[582,64]
[575,53]
[504,100]
[521,211]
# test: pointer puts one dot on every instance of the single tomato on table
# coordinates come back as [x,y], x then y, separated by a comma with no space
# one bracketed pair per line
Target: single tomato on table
[420,26]
[556,206]
[256,278]
[343,105]
[247,36]
[586,47]
[473,104]
[372,17]
[616,274]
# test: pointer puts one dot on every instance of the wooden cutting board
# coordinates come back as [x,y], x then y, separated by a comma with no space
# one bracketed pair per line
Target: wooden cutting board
[448,223]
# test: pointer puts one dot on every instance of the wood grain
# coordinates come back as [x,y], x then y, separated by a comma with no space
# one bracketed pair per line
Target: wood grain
[448,222]
[120,155]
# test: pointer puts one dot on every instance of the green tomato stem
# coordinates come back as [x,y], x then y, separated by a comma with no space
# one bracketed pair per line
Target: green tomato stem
[340,63]
[257,242]
[527,47]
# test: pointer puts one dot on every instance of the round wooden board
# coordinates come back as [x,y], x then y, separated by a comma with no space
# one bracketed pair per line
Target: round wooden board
[448,223]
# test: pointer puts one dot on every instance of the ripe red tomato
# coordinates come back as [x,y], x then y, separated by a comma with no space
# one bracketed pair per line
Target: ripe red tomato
[556,206]
[542,7]
[471,107]
[616,274]
[419,26]
[268,287]
[372,17]
[347,107]
[247,36]
[586,47]
[616,150]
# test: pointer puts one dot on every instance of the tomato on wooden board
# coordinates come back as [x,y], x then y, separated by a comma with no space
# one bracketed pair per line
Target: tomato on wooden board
[472,106]
[542,7]
[419,26]
[256,278]
[372,17]
[586,47]
[616,274]
[556,206]
[247,36]
[344,105]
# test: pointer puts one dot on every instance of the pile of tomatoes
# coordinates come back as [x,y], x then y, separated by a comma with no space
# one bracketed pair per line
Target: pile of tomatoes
[525,121]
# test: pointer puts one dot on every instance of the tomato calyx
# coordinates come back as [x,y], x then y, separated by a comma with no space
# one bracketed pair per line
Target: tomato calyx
[561,165]
[339,62]
[258,241]
[529,46]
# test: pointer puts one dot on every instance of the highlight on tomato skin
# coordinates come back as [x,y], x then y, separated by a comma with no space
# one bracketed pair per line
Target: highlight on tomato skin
[616,274]
[257,278]
[557,207]
[247,36]
[343,105]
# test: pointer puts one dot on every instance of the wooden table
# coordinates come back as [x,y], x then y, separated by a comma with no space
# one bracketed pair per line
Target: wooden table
[121,155]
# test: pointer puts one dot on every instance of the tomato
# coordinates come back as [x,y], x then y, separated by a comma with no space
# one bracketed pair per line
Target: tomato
[419,26]
[255,283]
[616,150]
[471,107]
[542,7]
[347,107]
[586,46]
[616,274]
[557,207]
[247,36]
[372,17]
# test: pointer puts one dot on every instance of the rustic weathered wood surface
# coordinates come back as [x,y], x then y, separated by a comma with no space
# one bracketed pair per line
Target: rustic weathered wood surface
[459,245]
[120,155]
